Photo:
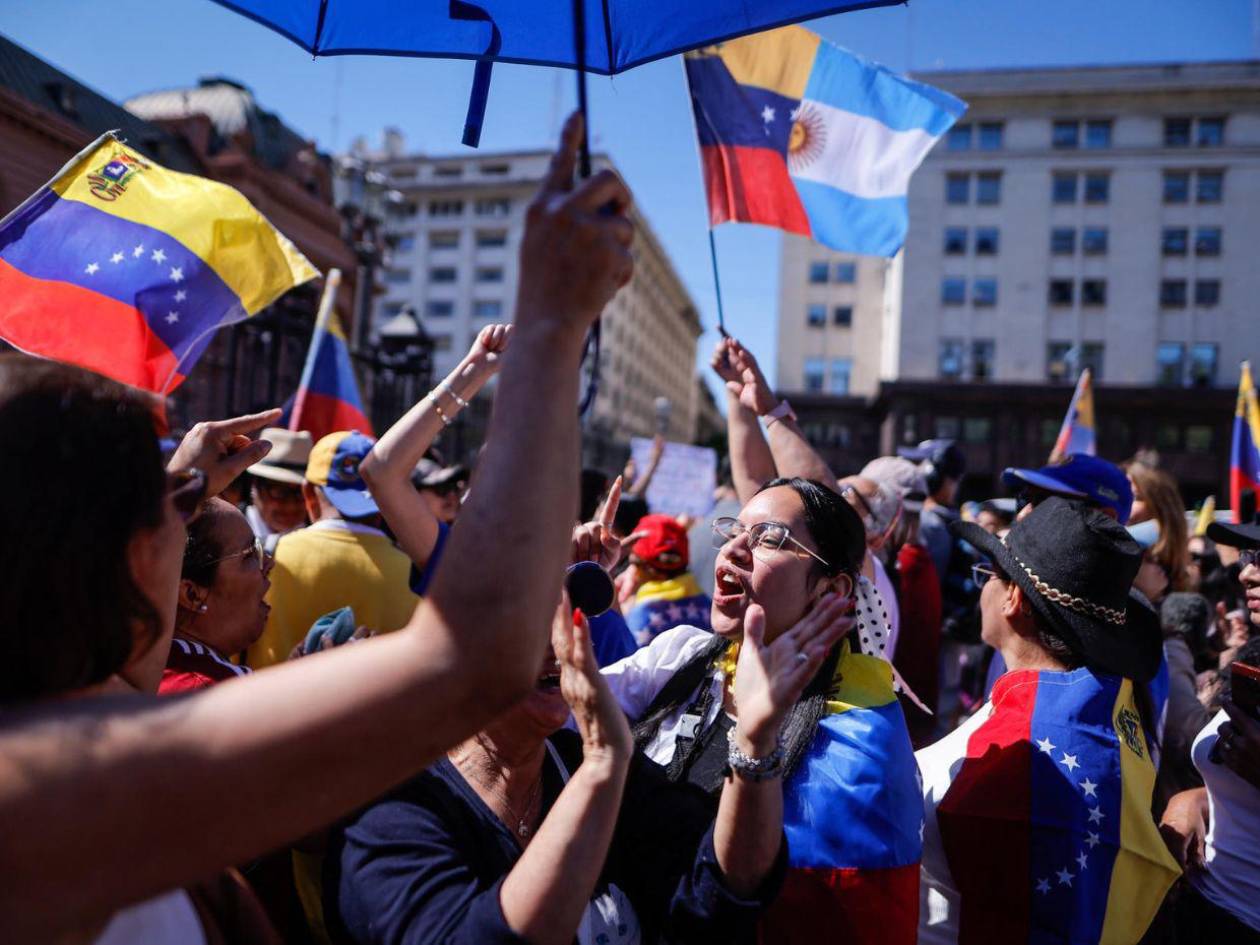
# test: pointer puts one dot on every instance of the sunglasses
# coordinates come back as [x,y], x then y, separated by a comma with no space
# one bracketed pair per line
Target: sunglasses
[279,491]
[769,535]
[255,551]
[1249,557]
[187,489]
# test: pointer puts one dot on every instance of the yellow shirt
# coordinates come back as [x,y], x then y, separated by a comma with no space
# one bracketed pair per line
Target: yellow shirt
[329,565]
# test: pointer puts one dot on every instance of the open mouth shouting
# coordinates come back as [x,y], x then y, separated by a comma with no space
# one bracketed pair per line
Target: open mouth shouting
[730,588]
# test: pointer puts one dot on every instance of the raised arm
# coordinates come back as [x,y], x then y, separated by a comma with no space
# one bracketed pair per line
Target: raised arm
[752,465]
[388,467]
[793,456]
[96,795]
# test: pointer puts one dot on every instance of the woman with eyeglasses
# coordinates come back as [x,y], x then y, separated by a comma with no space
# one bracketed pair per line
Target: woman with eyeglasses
[851,809]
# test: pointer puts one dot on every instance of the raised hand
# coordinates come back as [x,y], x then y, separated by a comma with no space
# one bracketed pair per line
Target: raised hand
[770,677]
[724,366]
[598,715]
[222,449]
[754,391]
[485,354]
[575,254]
[594,540]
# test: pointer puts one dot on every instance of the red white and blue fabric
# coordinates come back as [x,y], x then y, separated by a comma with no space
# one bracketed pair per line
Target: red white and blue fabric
[1244,451]
[327,398]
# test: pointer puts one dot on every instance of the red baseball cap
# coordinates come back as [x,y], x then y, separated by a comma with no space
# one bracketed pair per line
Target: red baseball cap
[663,545]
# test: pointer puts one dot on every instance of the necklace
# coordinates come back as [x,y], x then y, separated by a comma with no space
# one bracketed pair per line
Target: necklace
[523,828]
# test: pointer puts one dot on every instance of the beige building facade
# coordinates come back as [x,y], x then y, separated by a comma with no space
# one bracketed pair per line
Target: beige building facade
[454,242]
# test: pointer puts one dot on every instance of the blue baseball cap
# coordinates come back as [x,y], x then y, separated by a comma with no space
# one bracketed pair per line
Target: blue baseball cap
[334,465]
[1080,476]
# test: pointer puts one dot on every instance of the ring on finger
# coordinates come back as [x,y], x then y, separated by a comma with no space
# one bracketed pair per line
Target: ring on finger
[802,657]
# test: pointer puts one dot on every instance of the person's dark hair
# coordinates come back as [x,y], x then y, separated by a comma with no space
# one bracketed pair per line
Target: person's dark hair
[203,550]
[82,475]
[630,511]
[841,539]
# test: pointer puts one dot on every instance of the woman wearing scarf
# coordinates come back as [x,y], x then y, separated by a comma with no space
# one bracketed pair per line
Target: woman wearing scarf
[1038,824]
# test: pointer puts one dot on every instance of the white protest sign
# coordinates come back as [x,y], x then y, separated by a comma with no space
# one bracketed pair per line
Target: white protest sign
[684,480]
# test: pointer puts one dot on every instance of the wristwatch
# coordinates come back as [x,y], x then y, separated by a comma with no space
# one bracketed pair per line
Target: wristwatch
[783,409]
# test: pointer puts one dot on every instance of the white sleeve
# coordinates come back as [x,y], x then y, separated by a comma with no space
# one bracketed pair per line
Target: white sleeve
[639,678]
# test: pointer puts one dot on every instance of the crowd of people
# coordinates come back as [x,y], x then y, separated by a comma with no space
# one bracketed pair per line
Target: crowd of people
[336,691]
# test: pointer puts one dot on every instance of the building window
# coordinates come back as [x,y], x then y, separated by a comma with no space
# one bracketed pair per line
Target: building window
[495,170]
[945,428]
[1060,291]
[818,272]
[1172,293]
[1177,132]
[1093,291]
[439,308]
[1207,292]
[1199,438]
[816,316]
[441,342]
[842,315]
[1211,133]
[1065,134]
[393,308]
[977,430]
[1174,240]
[989,187]
[442,274]
[984,292]
[990,136]
[1063,188]
[446,208]
[1062,241]
[490,239]
[1058,361]
[1092,358]
[1202,365]
[487,308]
[959,138]
[444,239]
[958,188]
[982,360]
[953,291]
[404,242]
[1098,133]
[489,274]
[1169,363]
[986,241]
[1168,436]
[448,170]
[815,368]
[397,276]
[493,207]
[846,272]
[841,369]
[1097,188]
[1176,186]
[1211,184]
[1094,242]
[1207,241]
[955,240]
[950,363]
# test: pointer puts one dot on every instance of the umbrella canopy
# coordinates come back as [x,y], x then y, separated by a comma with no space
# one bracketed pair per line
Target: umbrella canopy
[619,34]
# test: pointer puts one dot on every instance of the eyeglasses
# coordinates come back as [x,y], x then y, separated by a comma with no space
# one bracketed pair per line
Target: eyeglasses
[255,551]
[981,573]
[770,535]
[1248,557]
[279,491]
[187,488]
[861,506]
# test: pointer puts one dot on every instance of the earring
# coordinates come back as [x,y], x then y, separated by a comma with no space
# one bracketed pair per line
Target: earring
[202,608]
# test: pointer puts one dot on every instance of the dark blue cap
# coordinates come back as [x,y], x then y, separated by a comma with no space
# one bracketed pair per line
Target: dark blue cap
[1080,476]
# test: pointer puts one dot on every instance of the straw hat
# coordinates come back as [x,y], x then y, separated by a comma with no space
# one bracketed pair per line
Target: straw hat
[290,451]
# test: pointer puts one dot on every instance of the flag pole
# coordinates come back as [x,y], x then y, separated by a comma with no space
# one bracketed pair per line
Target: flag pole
[717,281]
[326,302]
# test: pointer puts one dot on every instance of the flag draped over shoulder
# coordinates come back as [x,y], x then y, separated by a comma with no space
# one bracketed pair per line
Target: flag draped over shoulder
[1077,433]
[124,267]
[852,813]
[328,398]
[1244,453]
[662,605]
[1046,822]
[802,135]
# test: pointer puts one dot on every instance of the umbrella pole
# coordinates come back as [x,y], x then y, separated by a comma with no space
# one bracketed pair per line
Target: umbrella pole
[584,170]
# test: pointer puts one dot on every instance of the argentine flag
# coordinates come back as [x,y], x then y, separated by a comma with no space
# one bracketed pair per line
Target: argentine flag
[802,135]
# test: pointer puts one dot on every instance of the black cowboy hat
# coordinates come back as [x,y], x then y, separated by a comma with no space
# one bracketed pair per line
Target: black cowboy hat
[1076,567]
[1235,536]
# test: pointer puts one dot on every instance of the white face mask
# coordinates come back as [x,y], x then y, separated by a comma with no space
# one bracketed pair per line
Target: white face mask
[874,630]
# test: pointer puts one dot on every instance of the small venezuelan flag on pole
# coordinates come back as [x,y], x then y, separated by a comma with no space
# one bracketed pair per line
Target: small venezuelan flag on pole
[328,398]
[127,268]
[1077,433]
[1244,454]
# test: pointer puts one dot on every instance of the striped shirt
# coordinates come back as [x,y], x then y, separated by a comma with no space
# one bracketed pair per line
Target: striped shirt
[194,665]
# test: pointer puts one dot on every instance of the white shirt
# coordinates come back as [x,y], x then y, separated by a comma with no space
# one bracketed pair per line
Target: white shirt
[1231,874]
[169,919]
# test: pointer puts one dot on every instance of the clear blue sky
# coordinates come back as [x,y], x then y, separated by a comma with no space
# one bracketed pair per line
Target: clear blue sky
[642,118]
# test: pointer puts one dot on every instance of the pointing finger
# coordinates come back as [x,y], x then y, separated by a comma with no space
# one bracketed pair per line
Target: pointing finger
[608,509]
[559,177]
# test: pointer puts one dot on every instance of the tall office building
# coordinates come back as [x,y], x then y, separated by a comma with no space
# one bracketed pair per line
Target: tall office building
[1102,217]
[455,243]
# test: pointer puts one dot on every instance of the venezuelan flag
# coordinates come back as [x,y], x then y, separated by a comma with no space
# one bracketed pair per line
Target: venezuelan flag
[662,605]
[1077,433]
[1045,816]
[799,134]
[852,812]
[124,267]
[1244,453]
[328,395]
